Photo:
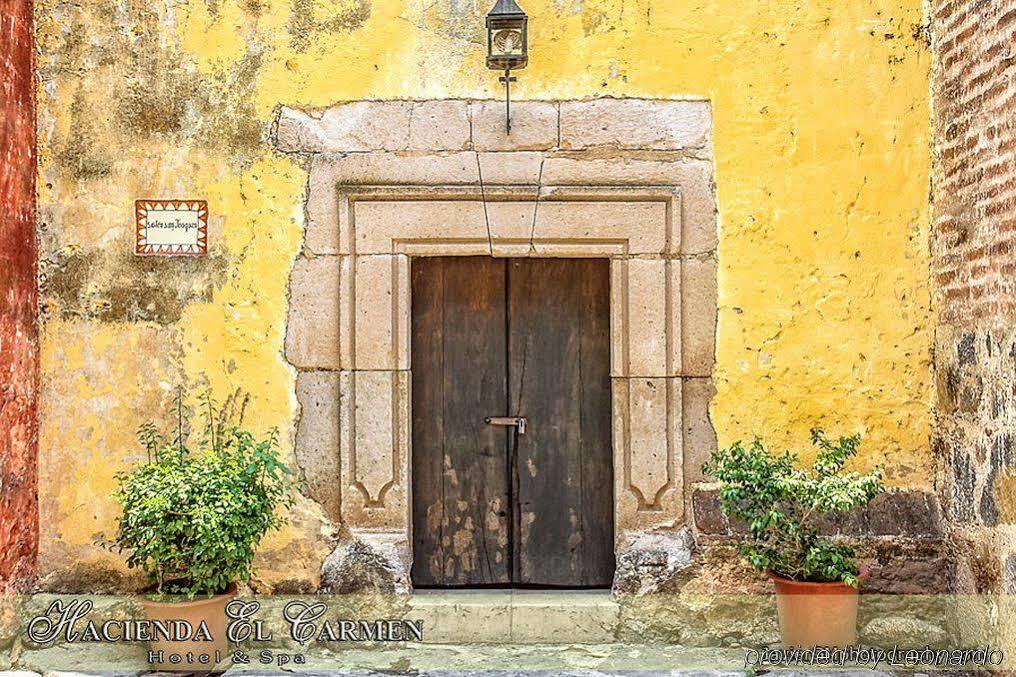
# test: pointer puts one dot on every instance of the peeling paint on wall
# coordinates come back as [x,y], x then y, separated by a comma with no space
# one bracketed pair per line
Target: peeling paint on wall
[822,150]
[19,336]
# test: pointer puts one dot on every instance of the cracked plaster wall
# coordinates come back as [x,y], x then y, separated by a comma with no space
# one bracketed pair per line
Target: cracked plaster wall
[821,134]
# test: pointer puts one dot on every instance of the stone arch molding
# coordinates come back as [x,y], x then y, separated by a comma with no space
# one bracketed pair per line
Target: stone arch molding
[626,179]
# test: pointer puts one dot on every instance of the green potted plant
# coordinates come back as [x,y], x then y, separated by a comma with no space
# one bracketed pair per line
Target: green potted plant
[193,518]
[782,505]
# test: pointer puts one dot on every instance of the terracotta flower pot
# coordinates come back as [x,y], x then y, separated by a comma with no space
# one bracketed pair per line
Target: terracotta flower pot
[816,614]
[193,656]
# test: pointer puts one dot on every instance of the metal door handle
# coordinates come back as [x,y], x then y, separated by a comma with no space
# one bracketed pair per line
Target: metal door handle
[518,421]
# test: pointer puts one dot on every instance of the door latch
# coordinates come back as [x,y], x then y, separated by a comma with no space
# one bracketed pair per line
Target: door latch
[518,421]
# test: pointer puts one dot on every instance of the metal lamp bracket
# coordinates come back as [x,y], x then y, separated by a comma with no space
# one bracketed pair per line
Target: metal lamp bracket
[507,79]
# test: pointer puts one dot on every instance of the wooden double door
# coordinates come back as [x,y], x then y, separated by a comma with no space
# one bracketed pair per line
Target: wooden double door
[493,505]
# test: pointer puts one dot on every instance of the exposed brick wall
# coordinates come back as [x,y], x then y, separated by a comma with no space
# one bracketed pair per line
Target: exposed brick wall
[975,173]
[974,265]
[19,358]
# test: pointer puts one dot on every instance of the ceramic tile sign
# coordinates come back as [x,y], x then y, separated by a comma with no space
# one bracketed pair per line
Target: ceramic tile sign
[171,227]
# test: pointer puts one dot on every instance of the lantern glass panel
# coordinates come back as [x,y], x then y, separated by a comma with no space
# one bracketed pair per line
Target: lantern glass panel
[507,47]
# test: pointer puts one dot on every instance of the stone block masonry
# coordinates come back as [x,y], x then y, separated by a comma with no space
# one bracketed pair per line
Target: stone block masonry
[628,180]
[448,125]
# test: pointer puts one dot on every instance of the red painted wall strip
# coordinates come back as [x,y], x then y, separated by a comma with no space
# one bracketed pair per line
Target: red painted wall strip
[19,301]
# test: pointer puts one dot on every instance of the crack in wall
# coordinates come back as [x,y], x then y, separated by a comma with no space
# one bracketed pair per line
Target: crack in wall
[483,199]
[536,206]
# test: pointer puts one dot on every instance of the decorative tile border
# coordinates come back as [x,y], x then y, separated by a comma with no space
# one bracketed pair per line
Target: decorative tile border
[146,242]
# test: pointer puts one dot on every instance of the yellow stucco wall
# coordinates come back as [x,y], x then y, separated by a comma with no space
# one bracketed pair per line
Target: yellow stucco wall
[822,150]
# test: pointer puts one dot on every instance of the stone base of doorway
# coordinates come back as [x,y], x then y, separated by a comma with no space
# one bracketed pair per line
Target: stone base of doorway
[516,616]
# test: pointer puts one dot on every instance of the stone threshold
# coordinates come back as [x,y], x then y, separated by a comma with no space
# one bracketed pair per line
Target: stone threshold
[481,616]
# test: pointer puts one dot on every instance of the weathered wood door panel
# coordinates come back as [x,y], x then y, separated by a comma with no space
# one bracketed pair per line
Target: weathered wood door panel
[559,379]
[526,337]
[460,465]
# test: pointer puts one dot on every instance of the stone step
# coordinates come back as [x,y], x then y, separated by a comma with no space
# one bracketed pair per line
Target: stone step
[516,616]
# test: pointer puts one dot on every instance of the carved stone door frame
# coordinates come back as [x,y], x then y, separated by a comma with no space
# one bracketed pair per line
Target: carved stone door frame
[369,213]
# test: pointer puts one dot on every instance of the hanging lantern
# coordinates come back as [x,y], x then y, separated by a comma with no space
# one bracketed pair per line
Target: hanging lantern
[507,46]
[507,37]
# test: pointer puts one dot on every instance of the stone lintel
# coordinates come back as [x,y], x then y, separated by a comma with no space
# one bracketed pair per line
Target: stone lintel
[449,125]
[635,124]
[534,125]
[334,181]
